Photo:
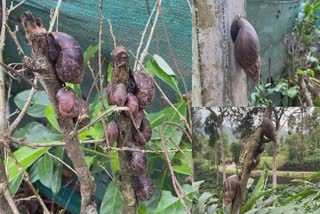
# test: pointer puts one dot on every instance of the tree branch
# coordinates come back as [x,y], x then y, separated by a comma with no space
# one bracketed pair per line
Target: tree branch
[36,36]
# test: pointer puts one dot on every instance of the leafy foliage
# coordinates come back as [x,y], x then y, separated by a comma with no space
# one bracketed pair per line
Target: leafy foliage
[46,164]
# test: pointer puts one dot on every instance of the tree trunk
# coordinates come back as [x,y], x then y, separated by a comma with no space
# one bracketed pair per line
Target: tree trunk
[217,78]
[222,156]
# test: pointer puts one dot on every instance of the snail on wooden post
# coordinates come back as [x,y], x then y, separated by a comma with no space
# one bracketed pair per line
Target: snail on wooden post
[66,55]
[247,47]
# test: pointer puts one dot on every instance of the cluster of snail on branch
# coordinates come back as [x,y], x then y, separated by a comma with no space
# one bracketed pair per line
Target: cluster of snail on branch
[65,54]
[136,92]
[232,187]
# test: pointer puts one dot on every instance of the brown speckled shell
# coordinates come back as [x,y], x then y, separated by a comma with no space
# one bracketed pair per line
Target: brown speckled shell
[145,133]
[67,100]
[116,94]
[145,189]
[145,90]
[247,50]
[71,106]
[132,103]
[137,160]
[268,129]
[112,132]
[138,118]
[230,187]
[66,54]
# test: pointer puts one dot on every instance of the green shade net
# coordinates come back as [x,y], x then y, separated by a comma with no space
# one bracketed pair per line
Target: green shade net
[272,19]
[80,18]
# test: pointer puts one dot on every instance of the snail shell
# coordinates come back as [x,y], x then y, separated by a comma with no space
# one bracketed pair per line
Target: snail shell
[145,132]
[145,90]
[230,188]
[247,47]
[66,55]
[137,160]
[268,129]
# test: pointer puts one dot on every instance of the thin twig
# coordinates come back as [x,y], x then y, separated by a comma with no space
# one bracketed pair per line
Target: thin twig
[145,51]
[13,35]
[53,20]
[61,161]
[171,170]
[16,6]
[10,201]
[25,199]
[105,170]
[176,64]
[8,68]
[112,35]
[143,35]
[102,115]
[24,109]
[24,142]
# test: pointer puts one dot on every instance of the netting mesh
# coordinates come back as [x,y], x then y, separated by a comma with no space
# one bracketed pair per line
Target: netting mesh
[272,19]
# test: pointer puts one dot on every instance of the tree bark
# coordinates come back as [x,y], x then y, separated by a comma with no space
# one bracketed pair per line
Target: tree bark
[217,78]
[4,205]
[120,74]
[36,36]
[222,155]
[250,149]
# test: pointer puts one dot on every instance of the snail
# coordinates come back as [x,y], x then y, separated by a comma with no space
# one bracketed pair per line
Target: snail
[268,129]
[116,94]
[230,188]
[145,188]
[132,103]
[247,47]
[71,106]
[145,132]
[66,55]
[138,118]
[112,132]
[145,90]
[137,160]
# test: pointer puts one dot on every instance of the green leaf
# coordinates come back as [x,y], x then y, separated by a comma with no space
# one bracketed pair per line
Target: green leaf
[261,183]
[36,132]
[90,52]
[163,65]
[180,163]
[51,116]
[251,202]
[109,72]
[45,170]
[293,91]
[111,202]
[15,184]
[175,133]
[171,80]
[89,160]
[25,156]
[170,204]
[76,88]
[57,169]
[38,103]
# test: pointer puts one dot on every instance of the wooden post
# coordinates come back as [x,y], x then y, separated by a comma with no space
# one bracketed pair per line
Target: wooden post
[217,78]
